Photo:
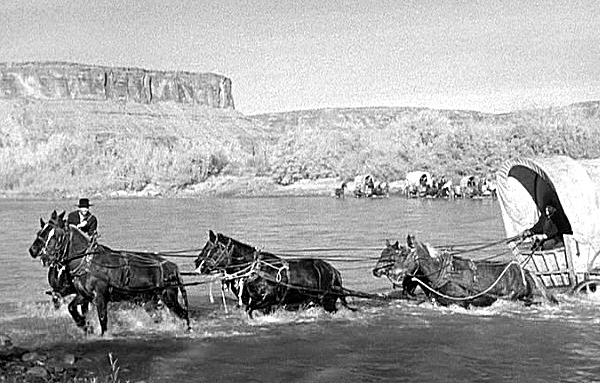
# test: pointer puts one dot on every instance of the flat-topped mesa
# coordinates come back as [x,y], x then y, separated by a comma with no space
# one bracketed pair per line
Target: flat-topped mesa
[71,81]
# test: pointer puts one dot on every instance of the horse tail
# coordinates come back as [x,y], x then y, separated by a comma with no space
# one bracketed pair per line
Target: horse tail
[337,286]
[184,297]
[173,281]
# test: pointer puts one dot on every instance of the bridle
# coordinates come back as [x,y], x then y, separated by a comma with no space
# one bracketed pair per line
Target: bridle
[224,253]
[58,253]
[43,236]
[391,261]
[413,256]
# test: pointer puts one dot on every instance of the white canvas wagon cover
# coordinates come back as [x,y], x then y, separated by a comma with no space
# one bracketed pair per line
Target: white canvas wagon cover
[413,178]
[526,185]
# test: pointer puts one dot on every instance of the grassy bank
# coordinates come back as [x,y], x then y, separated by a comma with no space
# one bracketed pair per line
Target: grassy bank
[67,148]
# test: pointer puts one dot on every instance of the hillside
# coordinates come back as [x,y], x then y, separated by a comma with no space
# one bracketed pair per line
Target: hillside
[68,148]
[389,142]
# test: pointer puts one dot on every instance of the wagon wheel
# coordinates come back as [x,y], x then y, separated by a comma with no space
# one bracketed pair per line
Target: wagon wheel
[587,287]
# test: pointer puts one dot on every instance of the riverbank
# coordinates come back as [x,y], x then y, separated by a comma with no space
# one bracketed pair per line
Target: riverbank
[70,148]
[219,187]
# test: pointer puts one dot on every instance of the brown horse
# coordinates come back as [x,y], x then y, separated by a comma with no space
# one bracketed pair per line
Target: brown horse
[101,275]
[449,279]
[386,266]
[268,281]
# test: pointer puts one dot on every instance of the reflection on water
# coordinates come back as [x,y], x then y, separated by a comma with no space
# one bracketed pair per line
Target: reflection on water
[382,341]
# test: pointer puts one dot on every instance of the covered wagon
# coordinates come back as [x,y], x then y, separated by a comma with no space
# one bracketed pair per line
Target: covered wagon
[468,186]
[525,187]
[417,183]
[367,186]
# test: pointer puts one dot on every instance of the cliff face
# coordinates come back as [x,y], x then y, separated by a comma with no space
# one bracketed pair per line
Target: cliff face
[64,81]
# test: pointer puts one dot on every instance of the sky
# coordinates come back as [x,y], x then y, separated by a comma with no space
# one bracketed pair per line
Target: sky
[284,55]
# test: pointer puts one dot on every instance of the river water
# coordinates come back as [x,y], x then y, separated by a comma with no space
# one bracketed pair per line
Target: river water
[397,341]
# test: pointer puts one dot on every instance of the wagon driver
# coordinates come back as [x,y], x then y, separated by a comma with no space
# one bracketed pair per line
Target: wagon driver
[83,219]
[548,226]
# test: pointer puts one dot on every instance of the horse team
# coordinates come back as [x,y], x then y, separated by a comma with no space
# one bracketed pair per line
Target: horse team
[259,280]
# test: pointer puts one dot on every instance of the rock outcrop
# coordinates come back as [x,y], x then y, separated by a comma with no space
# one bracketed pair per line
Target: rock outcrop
[64,81]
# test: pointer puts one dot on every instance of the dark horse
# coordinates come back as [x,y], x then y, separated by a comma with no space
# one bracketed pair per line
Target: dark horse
[100,275]
[267,281]
[58,277]
[448,279]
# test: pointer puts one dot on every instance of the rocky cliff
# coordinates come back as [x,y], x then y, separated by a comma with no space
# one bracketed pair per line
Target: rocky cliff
[70,81]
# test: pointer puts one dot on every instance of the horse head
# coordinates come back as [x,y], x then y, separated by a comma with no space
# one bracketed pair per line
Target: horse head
[39,245]
[422,262]
[392,256]
[215,255]
[399,263]
[65,244]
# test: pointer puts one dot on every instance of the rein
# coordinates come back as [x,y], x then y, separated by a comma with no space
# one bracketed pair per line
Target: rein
[471,297]
[258,262]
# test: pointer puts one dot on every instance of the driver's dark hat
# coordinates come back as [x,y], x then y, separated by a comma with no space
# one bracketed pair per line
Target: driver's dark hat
[84,202]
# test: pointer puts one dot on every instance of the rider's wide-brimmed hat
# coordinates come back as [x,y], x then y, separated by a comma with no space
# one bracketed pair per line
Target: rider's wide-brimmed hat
[84,202]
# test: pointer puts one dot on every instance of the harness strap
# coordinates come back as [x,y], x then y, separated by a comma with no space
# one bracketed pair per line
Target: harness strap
[478,294]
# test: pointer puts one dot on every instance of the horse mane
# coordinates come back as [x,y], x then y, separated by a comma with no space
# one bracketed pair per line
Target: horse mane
[431,251]
[91,240]
[247,251]
[79,232]
[224,239]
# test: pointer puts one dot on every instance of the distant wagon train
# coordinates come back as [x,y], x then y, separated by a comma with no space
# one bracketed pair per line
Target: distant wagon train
[418,183]
[367,186]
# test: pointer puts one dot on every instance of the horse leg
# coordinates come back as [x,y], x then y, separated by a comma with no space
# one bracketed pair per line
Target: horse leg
[73,310]
[185,309]
[346,305]
[535,283]
[171,301]
[329,303]
[102,309]
[249,310]
[483,301]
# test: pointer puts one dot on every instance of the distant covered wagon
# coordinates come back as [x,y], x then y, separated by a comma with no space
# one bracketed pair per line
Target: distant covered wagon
[367,186]
[417,183]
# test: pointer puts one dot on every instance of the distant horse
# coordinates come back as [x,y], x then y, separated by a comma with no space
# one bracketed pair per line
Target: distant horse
[101,275]
[58,277]
[381,189]
[341,191]
[448,279]
[444,188]
[268,281]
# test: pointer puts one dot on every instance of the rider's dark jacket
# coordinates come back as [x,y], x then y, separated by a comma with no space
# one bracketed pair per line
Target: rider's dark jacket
[74,218]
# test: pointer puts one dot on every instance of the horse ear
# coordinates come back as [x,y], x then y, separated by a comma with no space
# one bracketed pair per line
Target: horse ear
[387,243]
[211,236]
[53,216]
[42,223]
[61,216]
[396,245]
[410,240]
